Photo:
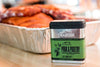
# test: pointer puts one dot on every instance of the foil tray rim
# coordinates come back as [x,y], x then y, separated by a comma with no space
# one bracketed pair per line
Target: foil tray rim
[19,27]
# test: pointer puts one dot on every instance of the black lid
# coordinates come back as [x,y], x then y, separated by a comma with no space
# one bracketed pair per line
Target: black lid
[67,24]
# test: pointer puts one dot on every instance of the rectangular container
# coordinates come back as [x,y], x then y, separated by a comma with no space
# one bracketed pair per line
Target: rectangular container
[68,41]
[37,40]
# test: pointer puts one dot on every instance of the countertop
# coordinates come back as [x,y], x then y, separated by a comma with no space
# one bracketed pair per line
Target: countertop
[12,57]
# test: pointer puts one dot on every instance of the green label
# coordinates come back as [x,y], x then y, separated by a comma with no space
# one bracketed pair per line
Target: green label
[67,49]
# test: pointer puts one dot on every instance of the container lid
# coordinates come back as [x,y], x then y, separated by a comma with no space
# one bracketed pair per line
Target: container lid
[67,24]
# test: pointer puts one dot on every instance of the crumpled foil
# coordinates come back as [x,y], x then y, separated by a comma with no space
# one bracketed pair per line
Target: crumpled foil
[28,39]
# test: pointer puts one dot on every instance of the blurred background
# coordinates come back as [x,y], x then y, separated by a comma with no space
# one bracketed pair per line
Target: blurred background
[87,8]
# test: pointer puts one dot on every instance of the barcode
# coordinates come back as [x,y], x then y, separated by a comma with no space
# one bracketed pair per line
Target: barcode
[70,49]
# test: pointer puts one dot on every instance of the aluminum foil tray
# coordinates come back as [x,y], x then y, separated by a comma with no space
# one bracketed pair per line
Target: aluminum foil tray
[29,39]
[92,32]
[37,40]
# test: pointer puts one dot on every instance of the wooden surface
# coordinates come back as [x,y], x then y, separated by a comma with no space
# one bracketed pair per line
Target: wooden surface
[12,57]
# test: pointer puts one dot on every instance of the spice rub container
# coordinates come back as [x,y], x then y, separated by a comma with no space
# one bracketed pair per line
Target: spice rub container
[68,41]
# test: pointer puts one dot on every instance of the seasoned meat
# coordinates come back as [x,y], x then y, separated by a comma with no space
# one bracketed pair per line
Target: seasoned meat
[56,13]
[21,11]
[51,10]
[37,21]
[36,16]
